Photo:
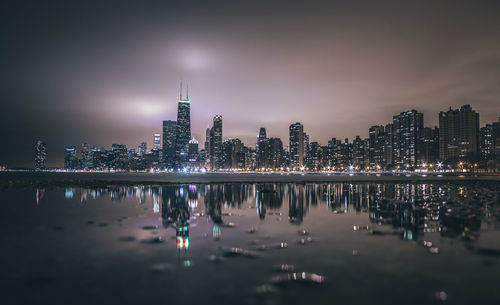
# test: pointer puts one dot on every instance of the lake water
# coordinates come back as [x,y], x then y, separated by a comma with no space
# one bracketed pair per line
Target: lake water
[329,243]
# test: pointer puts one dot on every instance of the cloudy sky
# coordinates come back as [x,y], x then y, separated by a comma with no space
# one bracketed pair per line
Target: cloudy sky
[108,72]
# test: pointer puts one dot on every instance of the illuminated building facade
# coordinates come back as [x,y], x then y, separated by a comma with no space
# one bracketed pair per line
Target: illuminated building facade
[216,159]
[169,137]
[183,131]
[296,132]
[40,155]
[406,129]
[458,133]
[70,158]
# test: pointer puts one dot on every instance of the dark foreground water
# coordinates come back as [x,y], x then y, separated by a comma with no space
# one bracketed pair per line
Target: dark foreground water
[252,244]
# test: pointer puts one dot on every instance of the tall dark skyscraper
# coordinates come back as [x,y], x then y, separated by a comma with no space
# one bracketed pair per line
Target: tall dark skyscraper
[183,134]
[261,147]
[216,160]
[86,156]
[458,133]
[40,155]
[169,138]
[70,158]
[406,129]
[297,145]
[207,147]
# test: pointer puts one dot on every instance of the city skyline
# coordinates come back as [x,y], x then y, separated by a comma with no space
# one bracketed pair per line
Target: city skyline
[459,143]
[337,68]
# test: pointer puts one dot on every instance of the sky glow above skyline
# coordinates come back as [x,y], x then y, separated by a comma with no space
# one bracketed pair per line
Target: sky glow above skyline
[109,73]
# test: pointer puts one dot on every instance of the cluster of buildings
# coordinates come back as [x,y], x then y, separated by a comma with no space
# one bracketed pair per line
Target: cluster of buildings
[403,144]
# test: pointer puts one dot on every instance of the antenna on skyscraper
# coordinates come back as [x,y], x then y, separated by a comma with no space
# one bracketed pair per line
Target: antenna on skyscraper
[180,92]
[187,92]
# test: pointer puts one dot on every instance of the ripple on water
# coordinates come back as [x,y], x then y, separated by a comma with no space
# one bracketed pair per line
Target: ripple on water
[299,277]
[154,240]
[150,227]
[284,268]
[234,252]
[127,238]
[161,268]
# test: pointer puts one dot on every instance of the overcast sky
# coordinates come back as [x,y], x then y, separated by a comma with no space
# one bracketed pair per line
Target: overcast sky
[108,72]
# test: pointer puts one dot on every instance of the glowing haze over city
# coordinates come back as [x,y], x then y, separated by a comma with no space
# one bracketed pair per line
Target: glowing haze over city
[109,72]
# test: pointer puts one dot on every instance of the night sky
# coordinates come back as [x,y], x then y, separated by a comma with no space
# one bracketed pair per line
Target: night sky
[109,72]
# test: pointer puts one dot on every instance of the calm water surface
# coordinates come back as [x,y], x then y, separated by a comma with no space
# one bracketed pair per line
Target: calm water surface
[252,244]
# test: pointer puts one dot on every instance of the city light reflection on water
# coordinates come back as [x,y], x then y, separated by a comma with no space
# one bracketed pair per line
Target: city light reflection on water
[419,238]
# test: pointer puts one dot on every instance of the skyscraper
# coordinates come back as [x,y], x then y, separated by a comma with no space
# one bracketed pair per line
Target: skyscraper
[183,132]
[261,147]
[207,147]
[70,158]
[275,153]
[216,160]
[142,149]
[40,155]
[406,129]
[458,133]
[86,156]
[169,137]
[193,156]
[156,141]
[428,145]
[296,145]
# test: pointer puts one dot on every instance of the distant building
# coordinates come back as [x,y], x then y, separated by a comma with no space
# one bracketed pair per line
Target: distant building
[40,155]
[86,161]
[358,153]
[233,155]
[193,154]
[142,149]
[169,138]
[261,147]
[156,141]
[377,147]
[120,158]
[183,132]
[388,146]
[275,153]
[296,132]
[216,160]
[207,148]
[406,128]
[458,133]
[428,145]
[70,158]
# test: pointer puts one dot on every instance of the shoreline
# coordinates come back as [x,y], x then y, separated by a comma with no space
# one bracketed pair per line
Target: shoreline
[25,179]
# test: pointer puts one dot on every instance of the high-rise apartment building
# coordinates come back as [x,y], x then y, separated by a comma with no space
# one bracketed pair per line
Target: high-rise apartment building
[169,137]
[296,145]
[458,133]
[406,128]
[216,160]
